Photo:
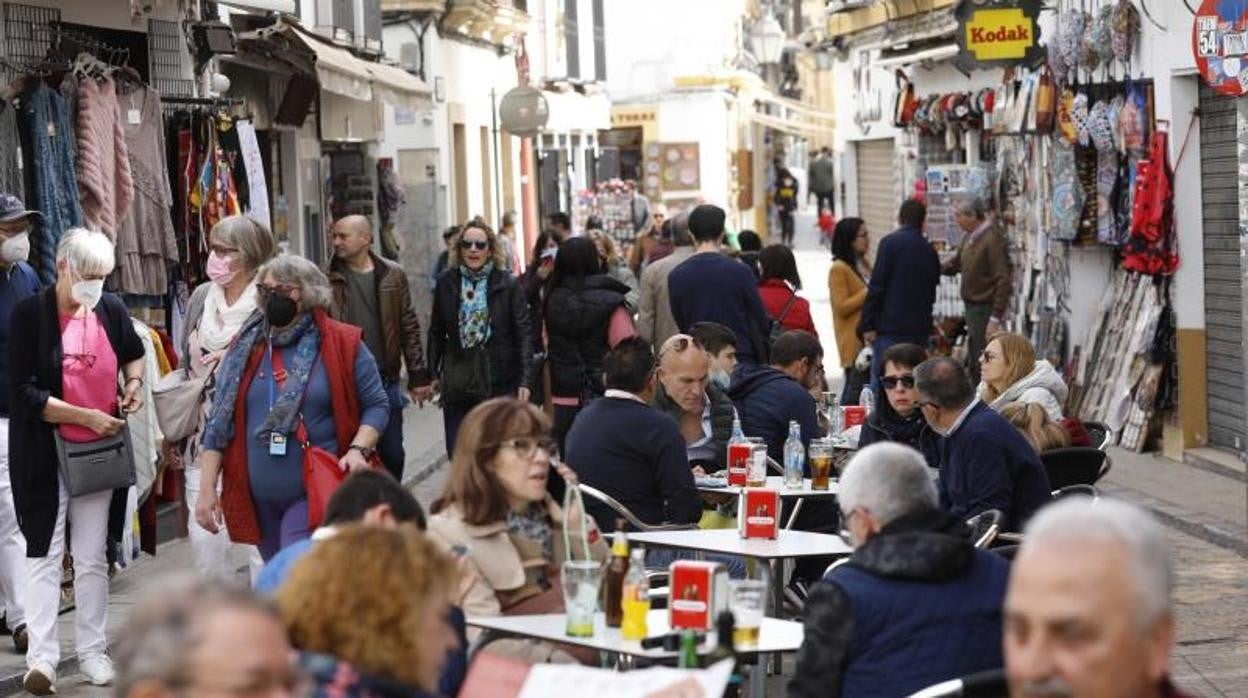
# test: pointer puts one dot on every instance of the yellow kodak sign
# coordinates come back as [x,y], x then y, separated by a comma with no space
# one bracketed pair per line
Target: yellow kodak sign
[999,34]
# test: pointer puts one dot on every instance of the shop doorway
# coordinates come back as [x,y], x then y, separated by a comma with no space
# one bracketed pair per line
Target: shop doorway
[1224,358]
[877,187]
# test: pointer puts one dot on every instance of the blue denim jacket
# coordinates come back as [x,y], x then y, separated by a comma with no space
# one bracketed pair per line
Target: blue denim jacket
[48,134]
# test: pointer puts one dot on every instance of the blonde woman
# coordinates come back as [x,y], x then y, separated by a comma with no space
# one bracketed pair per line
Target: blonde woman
[615,267]
[1011,373]
[1042,433]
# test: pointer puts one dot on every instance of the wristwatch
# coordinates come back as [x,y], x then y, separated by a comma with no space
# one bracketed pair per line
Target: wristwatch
[365,451]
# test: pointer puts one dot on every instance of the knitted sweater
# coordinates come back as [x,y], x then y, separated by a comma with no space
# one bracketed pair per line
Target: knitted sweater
[104,183]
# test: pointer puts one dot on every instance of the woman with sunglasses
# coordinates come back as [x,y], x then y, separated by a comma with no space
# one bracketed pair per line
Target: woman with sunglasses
[292,378]
[496,512]
[480,332]
[1012,374]
[76,367]
[897,416]
[216,312]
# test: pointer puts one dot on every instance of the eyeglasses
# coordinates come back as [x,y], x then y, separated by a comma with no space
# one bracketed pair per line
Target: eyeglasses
[906,380]
[680,344]
[526,446]
[474,245]
[87,360]
[283,290]
[846,534]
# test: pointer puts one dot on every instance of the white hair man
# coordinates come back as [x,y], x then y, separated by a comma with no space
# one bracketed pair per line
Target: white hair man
[1088,611]
[983,260]
[917,604]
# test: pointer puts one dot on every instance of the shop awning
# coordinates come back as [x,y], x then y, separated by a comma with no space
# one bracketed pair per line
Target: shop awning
[337,69]
[400,88]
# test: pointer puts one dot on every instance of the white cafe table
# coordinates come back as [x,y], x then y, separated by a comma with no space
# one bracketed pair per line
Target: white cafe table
[727,541]
[776,482]
[774,636]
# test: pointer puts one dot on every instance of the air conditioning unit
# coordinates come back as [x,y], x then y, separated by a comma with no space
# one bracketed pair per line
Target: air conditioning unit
[835,6]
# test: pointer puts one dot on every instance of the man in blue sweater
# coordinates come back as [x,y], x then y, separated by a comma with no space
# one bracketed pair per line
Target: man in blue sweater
[915,605]
[711,287]
[768,397]
[985,462]
[631,451]
[902,289]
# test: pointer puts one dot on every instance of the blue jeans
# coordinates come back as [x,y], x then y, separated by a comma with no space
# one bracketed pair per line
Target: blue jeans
[390,447]
[662,557]
[881,344]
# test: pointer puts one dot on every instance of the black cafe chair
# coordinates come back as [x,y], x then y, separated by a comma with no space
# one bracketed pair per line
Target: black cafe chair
[985,684]
[1079,465]
[985,526]
[1099,434]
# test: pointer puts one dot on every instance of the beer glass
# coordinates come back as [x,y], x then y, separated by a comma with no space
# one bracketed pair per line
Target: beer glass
[581,580]
[757,475]
[747,598]
[820,459]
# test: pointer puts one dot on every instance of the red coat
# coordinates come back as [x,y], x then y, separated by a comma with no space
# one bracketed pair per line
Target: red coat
[775,294]
[339,344]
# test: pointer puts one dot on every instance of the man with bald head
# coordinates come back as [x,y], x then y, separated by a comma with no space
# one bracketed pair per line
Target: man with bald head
[1088,611]
[373,294]
[703,412]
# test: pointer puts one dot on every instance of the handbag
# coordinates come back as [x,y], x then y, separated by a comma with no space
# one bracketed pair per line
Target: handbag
[96,466]
[466,376]
[176,397]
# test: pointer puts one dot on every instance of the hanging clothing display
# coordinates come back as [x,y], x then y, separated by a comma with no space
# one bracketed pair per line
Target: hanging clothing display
[253,166]
[104,181]
[47,137]
[10,152]
[145,243]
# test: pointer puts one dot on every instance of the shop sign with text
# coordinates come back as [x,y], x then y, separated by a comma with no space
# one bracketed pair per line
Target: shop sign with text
[1220,45]
[997,33]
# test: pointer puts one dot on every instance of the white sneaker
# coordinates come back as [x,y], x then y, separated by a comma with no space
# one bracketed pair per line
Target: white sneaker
[40,680]
[98,669]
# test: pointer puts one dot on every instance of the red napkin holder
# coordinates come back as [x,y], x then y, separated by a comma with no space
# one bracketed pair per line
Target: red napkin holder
[697,592]
[758,514]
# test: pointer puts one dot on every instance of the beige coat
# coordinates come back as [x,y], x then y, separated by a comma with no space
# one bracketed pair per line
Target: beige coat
[848,293]
[507,572]
[654,315]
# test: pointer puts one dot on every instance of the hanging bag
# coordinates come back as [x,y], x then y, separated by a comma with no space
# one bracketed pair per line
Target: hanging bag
[177,397]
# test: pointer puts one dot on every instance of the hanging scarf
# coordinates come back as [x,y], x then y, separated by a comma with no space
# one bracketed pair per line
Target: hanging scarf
[474,307]
[534,524]
[221,321]
[281,418]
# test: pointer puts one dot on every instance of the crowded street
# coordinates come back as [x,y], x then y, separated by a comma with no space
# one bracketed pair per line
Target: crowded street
[635,348]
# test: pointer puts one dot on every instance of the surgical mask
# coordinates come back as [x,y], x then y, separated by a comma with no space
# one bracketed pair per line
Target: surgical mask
[87,293]
[280,310]
[721,380]
[16,249]
[218,269]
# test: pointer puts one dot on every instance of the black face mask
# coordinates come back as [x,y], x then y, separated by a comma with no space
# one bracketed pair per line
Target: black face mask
[280,310]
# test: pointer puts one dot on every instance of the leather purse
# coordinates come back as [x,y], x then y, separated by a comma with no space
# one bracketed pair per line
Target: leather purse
[321,476]
[177,397]
[96,466]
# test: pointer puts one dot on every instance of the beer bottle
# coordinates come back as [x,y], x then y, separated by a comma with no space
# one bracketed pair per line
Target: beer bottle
[688,650]
[613,589]
[725,625]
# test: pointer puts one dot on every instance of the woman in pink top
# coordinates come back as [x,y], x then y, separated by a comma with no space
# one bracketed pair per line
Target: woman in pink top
[74,342]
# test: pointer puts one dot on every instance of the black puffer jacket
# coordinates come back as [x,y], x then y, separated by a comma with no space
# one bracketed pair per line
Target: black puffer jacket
[722,414]
[510,345]
[885,424]
[577,322]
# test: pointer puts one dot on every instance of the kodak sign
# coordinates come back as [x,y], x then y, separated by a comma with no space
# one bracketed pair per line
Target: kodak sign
[996,33]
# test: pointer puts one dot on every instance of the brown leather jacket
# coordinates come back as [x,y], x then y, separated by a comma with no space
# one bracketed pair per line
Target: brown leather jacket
[400,328]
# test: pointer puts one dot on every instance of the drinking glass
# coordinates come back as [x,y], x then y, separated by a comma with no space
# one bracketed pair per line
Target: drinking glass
[581,580]
[757,474]
[820,458]
[747,599]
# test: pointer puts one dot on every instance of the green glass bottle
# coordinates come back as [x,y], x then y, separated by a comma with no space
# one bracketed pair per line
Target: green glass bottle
[688,650]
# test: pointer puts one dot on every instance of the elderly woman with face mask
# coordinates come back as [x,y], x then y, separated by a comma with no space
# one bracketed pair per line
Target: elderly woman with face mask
[292,377]
[77,346]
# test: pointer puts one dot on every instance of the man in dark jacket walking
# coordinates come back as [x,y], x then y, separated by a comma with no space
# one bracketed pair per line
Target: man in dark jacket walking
[902,290]
[821,180]
[915,605]
[768,397]
[709,286]
[373,294]
[985,462]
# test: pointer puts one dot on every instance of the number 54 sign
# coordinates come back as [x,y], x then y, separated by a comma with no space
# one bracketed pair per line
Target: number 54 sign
[1220,45]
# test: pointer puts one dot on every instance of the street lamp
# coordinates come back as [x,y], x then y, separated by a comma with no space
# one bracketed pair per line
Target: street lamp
[767,40]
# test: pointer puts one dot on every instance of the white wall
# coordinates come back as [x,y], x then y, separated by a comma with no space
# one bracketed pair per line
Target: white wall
[702,117]
[649,42]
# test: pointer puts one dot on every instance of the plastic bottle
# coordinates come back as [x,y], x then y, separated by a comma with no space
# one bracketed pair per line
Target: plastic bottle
[739,451]
[725,624]
[794,457]
[836,420]
[636,597]
[867,399]
[688,650]
[617,568]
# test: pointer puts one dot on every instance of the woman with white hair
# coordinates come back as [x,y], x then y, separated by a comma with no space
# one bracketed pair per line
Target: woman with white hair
[65,371]
[215,314]
[293,378]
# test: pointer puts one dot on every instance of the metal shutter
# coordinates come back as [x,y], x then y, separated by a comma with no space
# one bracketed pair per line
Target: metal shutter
[1220,201]
[877,187]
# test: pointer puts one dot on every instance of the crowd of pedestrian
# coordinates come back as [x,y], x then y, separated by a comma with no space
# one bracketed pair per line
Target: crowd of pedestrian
[627,371]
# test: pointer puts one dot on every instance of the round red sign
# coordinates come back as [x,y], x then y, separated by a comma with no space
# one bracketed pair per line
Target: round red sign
[1220,45]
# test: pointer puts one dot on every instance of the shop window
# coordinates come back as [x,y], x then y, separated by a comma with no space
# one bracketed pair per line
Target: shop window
[600,43]
[571,38]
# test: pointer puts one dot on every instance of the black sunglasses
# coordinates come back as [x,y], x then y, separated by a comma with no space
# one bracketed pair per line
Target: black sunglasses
[890,382]
[474,244]
[679,344]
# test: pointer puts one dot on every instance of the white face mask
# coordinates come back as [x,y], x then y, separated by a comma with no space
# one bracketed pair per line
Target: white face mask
[721,380]
[87,293]
[15,249]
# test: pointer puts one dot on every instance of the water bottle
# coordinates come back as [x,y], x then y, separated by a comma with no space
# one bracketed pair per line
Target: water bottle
[867,399]
[794,457]
[739,451]
[836,419]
